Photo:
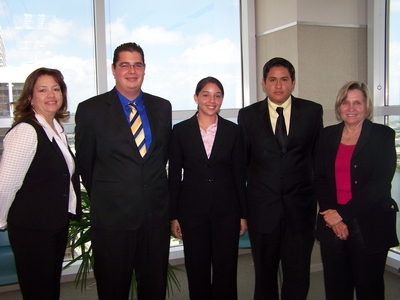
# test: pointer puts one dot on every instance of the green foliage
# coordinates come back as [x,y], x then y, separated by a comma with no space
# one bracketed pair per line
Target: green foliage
[82,252]
[79,243]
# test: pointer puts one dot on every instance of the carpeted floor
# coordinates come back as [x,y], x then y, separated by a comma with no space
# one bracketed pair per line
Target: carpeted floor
[245,285]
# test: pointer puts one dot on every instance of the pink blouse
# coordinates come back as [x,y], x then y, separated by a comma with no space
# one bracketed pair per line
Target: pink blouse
[342,173]
[208,137]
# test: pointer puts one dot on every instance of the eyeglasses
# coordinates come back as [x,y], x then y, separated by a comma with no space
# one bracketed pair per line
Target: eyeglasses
[127,66]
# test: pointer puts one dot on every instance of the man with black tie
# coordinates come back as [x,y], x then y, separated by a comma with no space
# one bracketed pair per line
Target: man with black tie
[280,134]
[122,141]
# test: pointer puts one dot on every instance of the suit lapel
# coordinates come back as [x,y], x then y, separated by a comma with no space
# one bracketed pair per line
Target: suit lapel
[265,121]
[334,143]
[117,114]
[195,137]
[57,149]
[220,137]
[364,136]
[295,117]
[152,115]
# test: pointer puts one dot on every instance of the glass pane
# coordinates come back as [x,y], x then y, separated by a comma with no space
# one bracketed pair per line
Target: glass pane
[4,100]
[45,33]
[183,41]
[16,90]
[394,91]
[394,53]
[394,122]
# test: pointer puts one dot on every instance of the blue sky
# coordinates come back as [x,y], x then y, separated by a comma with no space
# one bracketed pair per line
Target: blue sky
[183,42]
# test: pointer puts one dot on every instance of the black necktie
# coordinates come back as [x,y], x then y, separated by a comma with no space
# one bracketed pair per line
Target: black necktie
[280,129]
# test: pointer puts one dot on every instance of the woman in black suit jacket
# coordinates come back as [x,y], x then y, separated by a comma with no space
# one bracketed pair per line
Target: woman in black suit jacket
[208,198]
[356,226]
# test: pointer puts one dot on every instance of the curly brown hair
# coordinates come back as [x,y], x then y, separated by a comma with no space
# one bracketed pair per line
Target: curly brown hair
[23,108]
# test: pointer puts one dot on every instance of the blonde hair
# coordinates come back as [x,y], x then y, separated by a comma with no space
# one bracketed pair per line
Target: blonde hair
[342,96]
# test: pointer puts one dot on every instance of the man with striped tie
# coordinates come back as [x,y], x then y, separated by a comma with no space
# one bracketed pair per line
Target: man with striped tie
[121,147]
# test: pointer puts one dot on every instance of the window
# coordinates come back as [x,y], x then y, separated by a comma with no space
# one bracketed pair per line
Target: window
[52,34]
[393,63]
[183,42]
[4,100]
[203,39]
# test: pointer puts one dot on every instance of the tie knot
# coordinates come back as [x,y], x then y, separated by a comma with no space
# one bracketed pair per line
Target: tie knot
[279,110]
[133,106]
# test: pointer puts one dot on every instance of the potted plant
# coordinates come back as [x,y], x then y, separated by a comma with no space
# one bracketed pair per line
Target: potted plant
[81,251]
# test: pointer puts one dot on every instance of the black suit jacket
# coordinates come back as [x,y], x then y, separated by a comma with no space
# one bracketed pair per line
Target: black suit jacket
[372,167]
[125,189]
[280,182]
[215,184]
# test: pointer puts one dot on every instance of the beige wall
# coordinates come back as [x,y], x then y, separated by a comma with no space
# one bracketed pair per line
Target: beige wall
[271,14]
[325,40]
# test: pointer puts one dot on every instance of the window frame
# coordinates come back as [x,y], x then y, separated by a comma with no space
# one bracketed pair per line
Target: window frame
[378,61]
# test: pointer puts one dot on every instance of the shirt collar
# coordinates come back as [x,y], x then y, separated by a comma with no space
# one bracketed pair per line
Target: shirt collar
[125,101]
[47,128]
[285,104]
[212,126]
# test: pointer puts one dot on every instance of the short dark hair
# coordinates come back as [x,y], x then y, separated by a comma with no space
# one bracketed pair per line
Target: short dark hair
[130,47]
[202,83]
[279,62]
[23,108]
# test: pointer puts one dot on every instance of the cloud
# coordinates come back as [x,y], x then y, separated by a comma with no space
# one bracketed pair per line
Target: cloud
[119,31]
[196,55]
[78,75]
[144,35]
[394,49]
[395,5]
[59,27]
[28,45]
[54,32]
[2,12]
[156,36]
[220,52]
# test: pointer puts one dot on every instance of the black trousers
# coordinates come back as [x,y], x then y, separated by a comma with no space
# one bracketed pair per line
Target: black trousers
[347,266]
[118,252]
[211,245]
[293,251]
[39,255]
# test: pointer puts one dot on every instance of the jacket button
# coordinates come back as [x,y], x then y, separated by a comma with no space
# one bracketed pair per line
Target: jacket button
[210,180]
[356,182]
[355,166]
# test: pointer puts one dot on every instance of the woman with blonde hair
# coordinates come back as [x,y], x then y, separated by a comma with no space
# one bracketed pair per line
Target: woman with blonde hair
[355,164]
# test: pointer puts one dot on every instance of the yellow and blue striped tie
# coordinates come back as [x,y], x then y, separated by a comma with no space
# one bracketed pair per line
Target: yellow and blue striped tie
[137,129]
